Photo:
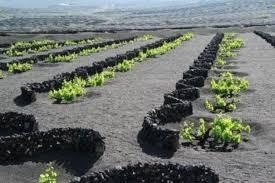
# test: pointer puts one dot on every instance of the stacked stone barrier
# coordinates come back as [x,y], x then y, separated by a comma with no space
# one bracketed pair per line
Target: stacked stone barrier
[18,122]
[152,173]
[43,56]
[33,47]
[28,92]
[269,38]
[177,104]
[18,147]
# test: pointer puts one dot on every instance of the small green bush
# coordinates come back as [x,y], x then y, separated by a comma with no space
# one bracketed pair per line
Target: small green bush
[69,91]
[48,176]
[18,68]
[1,75]
[228,86]
[220,63]
[70,43]
[15,53]
[61,58]
[229,44]
[109,73]
[221,130]
[221,105]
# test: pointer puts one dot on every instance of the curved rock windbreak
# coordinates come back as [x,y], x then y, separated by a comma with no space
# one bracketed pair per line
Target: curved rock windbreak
[152,173]
[18,147]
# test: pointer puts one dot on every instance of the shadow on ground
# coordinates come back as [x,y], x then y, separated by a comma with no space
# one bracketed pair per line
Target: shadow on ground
[76,163]
[153,150]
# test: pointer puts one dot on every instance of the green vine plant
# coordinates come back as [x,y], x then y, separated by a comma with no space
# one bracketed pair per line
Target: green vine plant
[228,86]
[221,105]
[49,175]
[82,42]
[226,48]
[22,48]
[2,76]
[89,51]
[145,37]
[18,68]
[228,45]
[100,79]
[125,66]
[69,91]
[61,58]
[221,133]
[220,63]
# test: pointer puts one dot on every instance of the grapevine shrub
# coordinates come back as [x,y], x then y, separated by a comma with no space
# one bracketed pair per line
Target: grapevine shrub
[220,63]
[144,38]
[18,68]
[48,176]
[22,48]
[220,131]
[226,48]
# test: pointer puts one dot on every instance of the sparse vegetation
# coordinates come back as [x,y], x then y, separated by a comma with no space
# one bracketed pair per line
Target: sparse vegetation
[87,52]
[69,91]
[15,53]
[1,75]
[226,48]
[125,66]
[18,68]
[220,131]
[61,58]
[220,63]
[100,79]
[144,38]
[221,105]
[23,48]
[48,176]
